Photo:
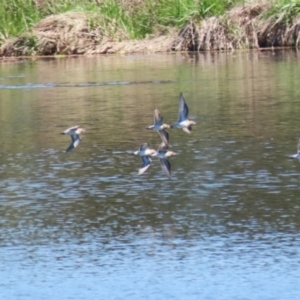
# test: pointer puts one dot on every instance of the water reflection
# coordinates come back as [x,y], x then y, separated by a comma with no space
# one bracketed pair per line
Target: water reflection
[228,219]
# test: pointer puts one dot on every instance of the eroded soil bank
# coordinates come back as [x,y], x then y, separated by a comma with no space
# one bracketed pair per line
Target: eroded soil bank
[244,27]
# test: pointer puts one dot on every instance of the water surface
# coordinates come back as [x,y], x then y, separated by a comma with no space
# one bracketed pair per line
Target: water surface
[84,225]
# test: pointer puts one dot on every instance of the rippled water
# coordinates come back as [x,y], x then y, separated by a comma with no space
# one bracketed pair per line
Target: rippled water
[84,225]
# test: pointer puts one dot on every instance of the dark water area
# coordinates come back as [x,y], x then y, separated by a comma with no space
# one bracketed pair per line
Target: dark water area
[85,225]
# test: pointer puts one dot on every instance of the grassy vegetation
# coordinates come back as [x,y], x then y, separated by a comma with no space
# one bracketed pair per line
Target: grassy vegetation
[284,10]
[135,17]
[16,17]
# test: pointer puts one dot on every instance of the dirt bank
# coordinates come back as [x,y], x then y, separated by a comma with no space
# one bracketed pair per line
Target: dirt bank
[243,27]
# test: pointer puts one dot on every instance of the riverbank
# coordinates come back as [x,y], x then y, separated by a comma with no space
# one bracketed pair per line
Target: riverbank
[254,24]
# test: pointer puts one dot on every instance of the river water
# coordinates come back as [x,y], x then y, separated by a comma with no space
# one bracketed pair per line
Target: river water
[85,225]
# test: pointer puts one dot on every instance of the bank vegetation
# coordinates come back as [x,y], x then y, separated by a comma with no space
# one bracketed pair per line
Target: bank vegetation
[65,27]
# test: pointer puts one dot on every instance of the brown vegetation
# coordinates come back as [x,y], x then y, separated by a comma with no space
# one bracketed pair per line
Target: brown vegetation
[242,27]
[238,29]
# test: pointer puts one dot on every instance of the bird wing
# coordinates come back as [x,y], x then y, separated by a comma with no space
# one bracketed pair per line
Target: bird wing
[146,164]
[164,137]
[158,120]
[70,129]
[75,142]
[183,109]
[166,166]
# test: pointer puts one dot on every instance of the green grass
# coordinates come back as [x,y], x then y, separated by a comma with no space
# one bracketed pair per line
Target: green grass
[16,17]
[136,19]
[284,10]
